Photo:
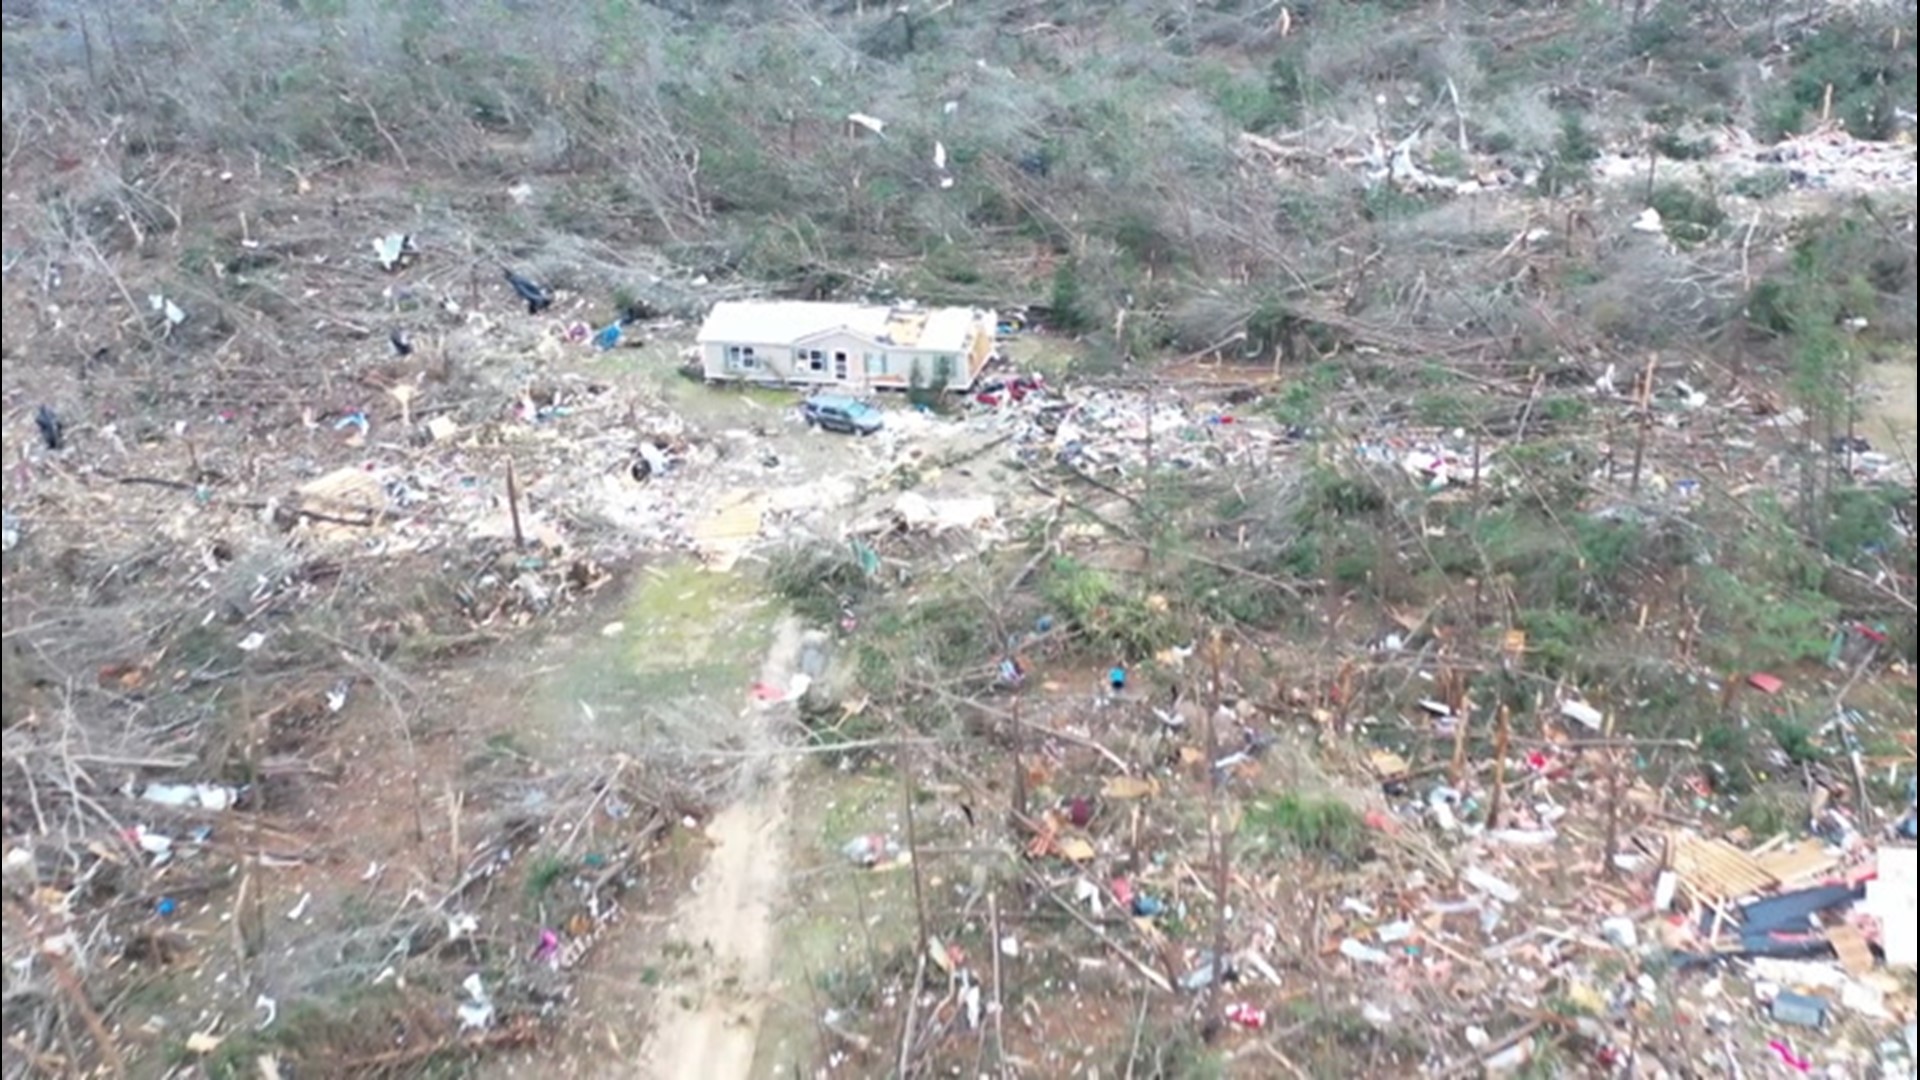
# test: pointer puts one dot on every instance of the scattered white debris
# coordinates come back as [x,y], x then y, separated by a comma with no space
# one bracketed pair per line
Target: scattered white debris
[300,909]
[168,309]
[476,1013]
[1649,222]
[1621,931]
[1581,712]
[204,796]
[152,843]
[1361,953]
[871,123]
[393,249]
[1490,885]
[1891,900]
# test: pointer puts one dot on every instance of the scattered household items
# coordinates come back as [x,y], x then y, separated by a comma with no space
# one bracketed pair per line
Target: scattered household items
[394,250]
[52,431]
[996,392]
[874,852]
[537,298]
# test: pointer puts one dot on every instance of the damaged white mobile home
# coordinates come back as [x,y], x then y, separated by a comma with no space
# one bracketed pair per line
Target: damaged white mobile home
[859,346]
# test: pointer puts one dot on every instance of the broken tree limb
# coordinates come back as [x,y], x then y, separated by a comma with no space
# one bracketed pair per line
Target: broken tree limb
[1159,981]
[1025,724]
[249,504]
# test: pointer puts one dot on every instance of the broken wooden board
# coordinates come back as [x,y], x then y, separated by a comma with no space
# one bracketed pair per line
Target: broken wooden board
[1851,947]
[726,534]
[1388,765]
[1717,870]
[345,492]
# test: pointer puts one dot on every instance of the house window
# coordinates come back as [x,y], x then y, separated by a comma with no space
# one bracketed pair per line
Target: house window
[814,359]
[741,358]
[876,363]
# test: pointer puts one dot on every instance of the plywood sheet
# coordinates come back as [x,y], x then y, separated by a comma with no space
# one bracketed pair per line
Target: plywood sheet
[1851,948]
[723,536]
[1798,864]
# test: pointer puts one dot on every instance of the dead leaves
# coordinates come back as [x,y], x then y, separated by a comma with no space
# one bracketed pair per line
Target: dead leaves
[1128,787]
[1051,839]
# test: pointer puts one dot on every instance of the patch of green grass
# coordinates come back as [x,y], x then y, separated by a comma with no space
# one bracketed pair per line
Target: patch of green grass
[1306,824]
[1771,809]
[1566,408]
[546,871]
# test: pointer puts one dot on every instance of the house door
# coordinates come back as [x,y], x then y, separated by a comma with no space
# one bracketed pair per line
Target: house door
[840,366]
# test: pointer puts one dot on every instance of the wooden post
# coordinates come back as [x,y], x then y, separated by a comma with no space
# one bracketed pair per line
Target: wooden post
[913,844]
[1613,802]
[1646,425]
[513,507]
[1019,768]
[1502,733]
[1457,772]
[1219,852]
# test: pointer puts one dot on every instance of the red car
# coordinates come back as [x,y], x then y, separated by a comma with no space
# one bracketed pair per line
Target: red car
[1015,389]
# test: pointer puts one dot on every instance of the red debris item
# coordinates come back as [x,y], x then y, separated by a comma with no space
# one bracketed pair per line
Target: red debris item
[1537,760]
[1870,633]
[1789,1058]
[763,692]
[1247,1016]
[1382,821]
[1080,811]
[1122,891]
[1765,683]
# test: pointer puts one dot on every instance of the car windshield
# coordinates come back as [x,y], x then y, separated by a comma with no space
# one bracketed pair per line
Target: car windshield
[859,410]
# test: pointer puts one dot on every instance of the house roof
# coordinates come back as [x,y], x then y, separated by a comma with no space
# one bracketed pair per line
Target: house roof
[790,322]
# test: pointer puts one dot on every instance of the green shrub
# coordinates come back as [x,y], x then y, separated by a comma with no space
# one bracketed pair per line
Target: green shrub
[1677,147]
[1113,621]
[1574,152]
[1690,216]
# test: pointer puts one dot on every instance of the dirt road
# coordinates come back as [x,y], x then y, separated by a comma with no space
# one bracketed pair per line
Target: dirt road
[709,1020]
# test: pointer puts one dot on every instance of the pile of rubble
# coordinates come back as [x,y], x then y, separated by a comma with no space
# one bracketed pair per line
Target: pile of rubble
[1828,160]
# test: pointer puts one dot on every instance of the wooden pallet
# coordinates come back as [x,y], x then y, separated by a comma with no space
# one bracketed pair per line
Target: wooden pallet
[1717,871]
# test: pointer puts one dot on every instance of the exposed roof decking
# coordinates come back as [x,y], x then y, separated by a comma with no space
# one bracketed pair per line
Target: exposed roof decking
[790,322]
